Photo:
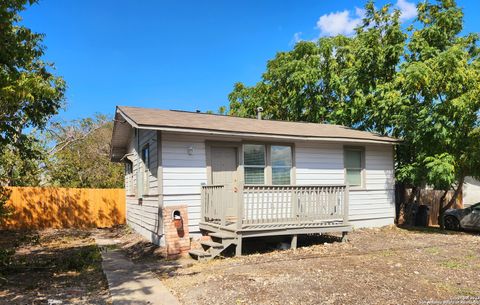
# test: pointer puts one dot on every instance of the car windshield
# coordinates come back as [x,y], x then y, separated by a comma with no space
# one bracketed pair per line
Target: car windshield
[476,205]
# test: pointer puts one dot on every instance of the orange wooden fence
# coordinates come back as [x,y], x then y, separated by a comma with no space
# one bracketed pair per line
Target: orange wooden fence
[37,207]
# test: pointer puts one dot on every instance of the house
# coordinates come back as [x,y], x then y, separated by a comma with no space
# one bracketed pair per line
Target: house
[234,178]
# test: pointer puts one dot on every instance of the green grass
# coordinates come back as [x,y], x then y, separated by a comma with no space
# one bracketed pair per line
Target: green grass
[386,253]
[81,259]
[463,291]
[110,247]
[433,250]
[471,256]
[453,264]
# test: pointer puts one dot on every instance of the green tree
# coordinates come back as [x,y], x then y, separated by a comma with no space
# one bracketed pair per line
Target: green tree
[336,80]
[81,155]
[24,171]
[29,91]
[439,82]
[420,84]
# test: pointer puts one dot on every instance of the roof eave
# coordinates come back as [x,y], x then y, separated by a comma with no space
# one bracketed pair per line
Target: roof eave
[117,152]
[390,141]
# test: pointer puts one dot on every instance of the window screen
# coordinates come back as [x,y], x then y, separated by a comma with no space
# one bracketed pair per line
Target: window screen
[254,163]
[354,166]
[281,160]
[146,167]
[129,177]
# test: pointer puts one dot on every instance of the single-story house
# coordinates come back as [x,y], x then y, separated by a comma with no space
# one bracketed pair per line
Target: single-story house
[188,173]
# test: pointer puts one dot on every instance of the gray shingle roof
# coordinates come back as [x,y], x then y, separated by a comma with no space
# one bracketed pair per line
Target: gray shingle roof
[184,121]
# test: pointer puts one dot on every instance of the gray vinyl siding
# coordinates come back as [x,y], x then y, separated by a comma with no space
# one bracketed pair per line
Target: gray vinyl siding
[371,206]
[145,218]
[183,174]
[318,164]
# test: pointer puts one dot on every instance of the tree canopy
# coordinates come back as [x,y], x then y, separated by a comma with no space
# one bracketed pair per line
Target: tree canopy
[336,80]
[420,84]
[81,155]
[30,93]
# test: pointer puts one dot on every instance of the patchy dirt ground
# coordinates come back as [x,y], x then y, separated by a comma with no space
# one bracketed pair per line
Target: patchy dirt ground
[51,267]
[136,247]
[143,252]
[378,266]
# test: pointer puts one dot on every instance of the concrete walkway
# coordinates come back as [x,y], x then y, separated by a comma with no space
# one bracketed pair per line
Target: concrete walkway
[128,283]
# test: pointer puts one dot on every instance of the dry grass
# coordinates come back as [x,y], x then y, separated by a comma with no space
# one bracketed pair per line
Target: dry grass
[378,266]
[62,265]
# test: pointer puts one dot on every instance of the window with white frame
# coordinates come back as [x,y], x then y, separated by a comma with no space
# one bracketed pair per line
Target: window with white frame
[146,168]
[354,166]
[281,161]
[129,177]
[259,159]
[254,162]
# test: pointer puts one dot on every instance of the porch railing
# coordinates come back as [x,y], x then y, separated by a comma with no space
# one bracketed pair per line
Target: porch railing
[263,204]
[213,204]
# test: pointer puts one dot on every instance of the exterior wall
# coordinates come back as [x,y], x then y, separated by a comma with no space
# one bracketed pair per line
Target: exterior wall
[183,174]
[471,191]
[183,171]
[371,206]
[144,214]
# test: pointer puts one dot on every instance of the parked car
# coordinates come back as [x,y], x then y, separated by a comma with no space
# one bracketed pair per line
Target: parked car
[468,218]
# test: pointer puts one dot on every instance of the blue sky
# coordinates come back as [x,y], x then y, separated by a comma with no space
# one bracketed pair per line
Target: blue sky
[181,54]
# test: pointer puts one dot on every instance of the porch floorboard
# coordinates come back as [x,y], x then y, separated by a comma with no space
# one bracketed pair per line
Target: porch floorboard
[276,229]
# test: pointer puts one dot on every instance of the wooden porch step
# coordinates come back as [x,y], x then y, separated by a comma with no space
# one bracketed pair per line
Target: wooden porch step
[199,254]
[223,235]
[211,244]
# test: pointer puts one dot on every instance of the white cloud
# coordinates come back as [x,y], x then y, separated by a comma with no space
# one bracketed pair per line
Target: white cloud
[407,9]
[339,22]
[297,37]
[345,22]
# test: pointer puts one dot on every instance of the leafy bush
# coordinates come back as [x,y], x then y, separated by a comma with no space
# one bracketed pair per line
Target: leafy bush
[5,211]
[6,257]
[81,259]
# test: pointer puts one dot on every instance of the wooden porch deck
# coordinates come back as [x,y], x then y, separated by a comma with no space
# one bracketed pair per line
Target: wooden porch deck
[229,215]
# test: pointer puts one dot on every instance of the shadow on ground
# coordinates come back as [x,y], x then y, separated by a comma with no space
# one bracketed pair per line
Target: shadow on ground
[436,230]
[63,265]
[261,245]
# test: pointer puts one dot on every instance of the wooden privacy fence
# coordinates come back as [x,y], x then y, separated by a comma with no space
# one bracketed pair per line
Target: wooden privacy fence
[431,198]
[38,208]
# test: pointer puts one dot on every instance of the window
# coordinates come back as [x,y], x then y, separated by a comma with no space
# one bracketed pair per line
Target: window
[281,160]
[256,157]
[146,168]
[354,166]
[254,163]
[129,177]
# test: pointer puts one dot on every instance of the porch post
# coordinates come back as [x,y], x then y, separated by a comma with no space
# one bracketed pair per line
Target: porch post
[240,208]
[293,244]
[345,204]
[202,203]
[238,248]
[221,203]
[294,200]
